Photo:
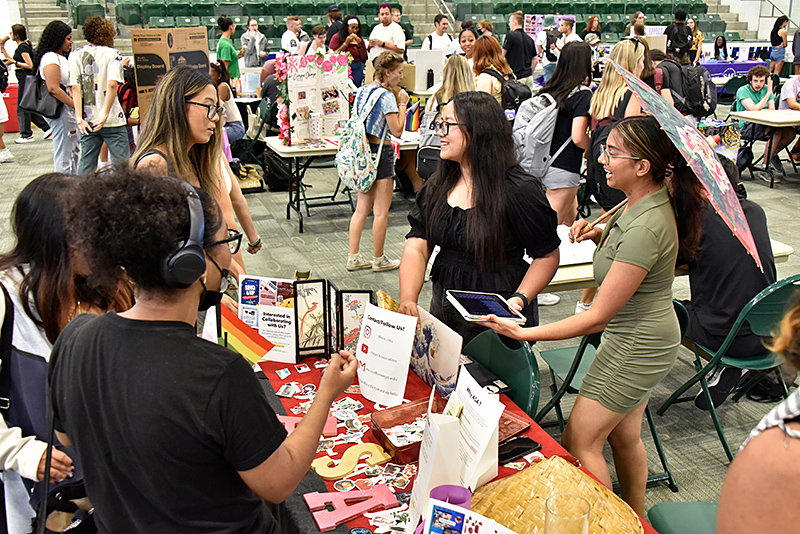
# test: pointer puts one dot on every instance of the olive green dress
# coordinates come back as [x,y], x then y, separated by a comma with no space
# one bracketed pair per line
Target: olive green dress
[640,344]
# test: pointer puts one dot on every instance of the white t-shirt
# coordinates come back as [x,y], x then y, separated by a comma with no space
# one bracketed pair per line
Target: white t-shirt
[392,34]
[789,90]
[435,42]
[541,41]
[232,113]
[91,67]
[51,58]
[564,39]
[290,42]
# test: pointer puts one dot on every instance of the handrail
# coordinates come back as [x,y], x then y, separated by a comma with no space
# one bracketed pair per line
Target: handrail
[779,10]
[443,9]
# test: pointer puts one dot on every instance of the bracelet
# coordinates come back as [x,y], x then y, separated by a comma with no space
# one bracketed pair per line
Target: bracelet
[258,242]
[521,296]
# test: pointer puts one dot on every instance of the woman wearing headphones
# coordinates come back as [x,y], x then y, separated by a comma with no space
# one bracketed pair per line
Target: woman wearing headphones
[196,446]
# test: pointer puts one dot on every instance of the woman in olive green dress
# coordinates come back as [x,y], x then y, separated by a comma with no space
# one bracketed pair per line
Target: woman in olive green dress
[634,264]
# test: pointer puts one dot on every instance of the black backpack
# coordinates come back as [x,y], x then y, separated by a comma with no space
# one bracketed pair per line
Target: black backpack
[513,93]
[553,35]
[699,91]
[276,173]
[3,77]
[680,42]
[606,196]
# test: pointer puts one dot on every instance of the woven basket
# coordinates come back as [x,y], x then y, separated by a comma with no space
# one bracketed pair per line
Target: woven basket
[518,501]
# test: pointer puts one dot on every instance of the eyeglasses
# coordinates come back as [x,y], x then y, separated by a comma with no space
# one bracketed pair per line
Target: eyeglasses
[234,241]
[604,151]
[213,111]
[443,127]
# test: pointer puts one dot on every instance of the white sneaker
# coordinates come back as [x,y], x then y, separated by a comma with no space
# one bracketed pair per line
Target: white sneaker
[547,299]
[355,263]
[48,134]
[384,264]
[22,140]
[6,155]
[580,307]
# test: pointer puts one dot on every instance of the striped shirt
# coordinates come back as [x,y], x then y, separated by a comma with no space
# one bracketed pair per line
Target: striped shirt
[779,416]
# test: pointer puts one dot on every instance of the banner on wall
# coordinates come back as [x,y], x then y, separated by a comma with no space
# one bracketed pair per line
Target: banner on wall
[533,23]
[318,96]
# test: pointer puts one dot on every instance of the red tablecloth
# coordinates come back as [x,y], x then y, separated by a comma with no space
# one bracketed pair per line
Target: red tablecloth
[415,389]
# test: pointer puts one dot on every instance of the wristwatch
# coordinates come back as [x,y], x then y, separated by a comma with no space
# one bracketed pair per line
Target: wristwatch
[521,296]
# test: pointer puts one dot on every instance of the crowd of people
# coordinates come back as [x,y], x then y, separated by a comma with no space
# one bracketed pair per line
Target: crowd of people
[104,296]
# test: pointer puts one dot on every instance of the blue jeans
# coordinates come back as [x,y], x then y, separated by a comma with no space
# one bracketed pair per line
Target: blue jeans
[548,71]
[66,147]
[357,69]
[235,131]
[119,148]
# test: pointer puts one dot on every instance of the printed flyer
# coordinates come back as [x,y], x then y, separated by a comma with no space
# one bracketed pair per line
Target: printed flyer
[267,304]
[318,87]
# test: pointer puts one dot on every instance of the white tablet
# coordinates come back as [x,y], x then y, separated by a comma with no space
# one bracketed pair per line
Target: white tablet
[475,306]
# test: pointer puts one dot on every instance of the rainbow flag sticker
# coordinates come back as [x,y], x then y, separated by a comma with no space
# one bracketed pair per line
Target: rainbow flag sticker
[242,338]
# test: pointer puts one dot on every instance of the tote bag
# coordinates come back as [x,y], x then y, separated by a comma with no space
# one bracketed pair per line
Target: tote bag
[37,98]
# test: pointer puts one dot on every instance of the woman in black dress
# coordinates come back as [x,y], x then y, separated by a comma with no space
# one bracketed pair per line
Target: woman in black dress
[484,212]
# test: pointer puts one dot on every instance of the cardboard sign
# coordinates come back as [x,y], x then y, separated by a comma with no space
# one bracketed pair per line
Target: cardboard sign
[157,51]
[384,353]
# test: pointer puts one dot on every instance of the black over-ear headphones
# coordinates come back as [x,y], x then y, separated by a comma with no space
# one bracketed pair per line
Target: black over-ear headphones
[186,265]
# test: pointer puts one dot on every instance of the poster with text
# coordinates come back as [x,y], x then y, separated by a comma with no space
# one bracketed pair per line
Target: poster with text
[534,23]
[318,95]
[267,304]
[384,352]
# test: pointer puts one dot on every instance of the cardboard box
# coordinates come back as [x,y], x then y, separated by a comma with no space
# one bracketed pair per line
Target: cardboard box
[407,82]
[657,42]
[156,51]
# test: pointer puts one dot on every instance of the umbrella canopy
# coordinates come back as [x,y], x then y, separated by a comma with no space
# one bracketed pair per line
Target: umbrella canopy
[700,157]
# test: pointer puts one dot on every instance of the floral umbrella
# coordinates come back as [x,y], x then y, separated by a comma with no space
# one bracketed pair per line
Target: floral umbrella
[700,157]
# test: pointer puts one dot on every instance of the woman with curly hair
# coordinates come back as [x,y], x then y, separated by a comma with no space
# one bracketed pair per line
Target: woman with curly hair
[51,62]
[186,419]
[45,292]
[95,72]
[181,136]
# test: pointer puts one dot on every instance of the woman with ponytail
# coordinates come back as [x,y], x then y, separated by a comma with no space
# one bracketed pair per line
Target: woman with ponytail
[634,264]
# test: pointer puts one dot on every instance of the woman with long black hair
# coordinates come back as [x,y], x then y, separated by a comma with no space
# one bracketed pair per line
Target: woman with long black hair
[349,39]
[778,39]
[483,210]
[23,61]
[51,62]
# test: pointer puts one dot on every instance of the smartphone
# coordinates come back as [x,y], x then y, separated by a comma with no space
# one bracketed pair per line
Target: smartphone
[516,448]
[474,306]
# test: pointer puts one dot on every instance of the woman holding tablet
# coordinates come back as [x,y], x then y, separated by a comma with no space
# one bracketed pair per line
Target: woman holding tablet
[635,266]
[484,212]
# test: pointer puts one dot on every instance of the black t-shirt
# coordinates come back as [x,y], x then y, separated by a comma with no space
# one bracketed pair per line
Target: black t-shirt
[723,277]
[571,157]
[679,36]
[333,29]
[162,421]
[21,49]
[672,76]
[520,49]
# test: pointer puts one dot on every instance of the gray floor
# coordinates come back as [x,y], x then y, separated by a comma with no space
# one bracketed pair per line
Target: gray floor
[696,456]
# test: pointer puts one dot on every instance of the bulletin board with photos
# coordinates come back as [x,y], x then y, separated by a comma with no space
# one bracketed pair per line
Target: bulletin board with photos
[318,89]
[535,23]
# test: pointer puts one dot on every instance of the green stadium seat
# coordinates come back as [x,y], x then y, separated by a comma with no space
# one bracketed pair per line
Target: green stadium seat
[129,12]
[686,5]
[162,22]
[367,8]
[228,8]
[699,8]
[209,21]
[212,44]
[581,7]
[616,6]
[274,44]
[153,8]
[732,36]
[564,8]
[612,23]
[505,6]
[718,27]
[265,23]
[253,7]
[240,21]
[179,8]
[279,8]
[304,8]
[187,22]
[475,17]
[314,20]
[705,27]
[653,6]
[86,9]
[203,8]
[662,19]
[463,9]
[417,42]
[369,23]
[610,37]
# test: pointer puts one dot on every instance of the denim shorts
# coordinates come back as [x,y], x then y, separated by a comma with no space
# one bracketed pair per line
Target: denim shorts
[777,53]
[386,163]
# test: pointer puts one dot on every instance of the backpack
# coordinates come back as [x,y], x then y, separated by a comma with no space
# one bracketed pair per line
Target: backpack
[682,41]
[533,133]
[277,175]
[126,93]
[354,161]
[513,93]
[429,151]
[3,77]
[699,91]
[606,196]
[553,35]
